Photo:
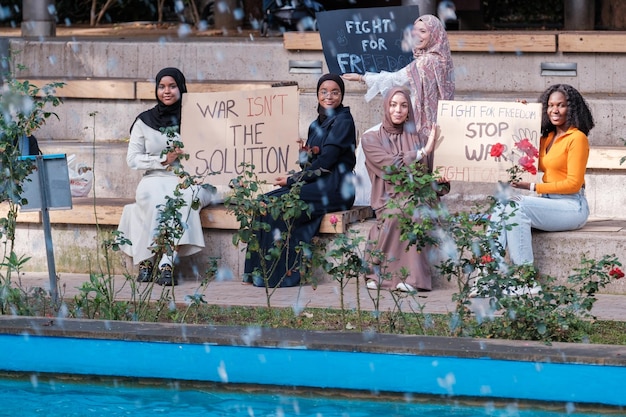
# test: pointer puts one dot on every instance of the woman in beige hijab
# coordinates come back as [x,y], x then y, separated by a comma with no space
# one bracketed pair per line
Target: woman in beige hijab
[389,146]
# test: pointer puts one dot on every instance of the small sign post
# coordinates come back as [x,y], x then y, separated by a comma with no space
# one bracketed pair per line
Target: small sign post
[48,188]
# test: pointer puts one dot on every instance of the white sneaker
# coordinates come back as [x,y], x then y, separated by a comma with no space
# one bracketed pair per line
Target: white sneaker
[473,292]
[522,290]
[372,285]
[405,287]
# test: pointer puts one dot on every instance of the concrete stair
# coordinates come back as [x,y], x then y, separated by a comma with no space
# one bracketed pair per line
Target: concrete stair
[100,140]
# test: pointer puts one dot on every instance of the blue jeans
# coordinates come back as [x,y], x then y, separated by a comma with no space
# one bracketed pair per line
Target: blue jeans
[549,212]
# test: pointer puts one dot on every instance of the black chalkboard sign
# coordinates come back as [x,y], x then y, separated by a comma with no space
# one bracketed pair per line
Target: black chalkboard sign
[360,40]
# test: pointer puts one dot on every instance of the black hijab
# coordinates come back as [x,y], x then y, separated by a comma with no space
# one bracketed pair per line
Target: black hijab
[321,111]
[162,115]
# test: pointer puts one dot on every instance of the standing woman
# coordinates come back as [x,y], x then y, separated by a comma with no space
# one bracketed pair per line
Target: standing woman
[563,152]
[430,76]
[388,147]
[146,148]
[327,185]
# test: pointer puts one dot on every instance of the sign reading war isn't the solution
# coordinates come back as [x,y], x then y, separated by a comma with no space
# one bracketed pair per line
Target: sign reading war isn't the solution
[222,130]
[360,40]
[469,129]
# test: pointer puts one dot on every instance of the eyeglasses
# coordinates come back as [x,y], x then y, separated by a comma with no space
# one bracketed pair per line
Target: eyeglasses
[334,93]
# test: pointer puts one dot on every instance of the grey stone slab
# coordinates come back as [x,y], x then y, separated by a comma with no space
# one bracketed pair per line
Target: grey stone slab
[318,340]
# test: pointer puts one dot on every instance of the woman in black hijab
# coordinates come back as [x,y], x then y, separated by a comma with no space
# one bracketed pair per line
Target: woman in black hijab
[140,221]
[327,161]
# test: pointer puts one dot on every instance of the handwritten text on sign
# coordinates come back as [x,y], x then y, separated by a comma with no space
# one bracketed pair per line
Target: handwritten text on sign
[370,39]
[224,129]
[471,128]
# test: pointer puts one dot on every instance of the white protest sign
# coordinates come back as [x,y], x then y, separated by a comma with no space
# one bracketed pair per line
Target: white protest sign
[221,130]
[470,129]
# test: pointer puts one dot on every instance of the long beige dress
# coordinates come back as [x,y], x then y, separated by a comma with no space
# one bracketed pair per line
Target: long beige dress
[388,145]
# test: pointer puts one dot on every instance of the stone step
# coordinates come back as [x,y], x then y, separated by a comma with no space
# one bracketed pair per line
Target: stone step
[557,254]
[606,188]
[113,117]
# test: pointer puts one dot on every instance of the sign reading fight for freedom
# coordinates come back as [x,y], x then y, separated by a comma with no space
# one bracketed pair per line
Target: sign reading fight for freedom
[224,129]
[360,40]
[470,129]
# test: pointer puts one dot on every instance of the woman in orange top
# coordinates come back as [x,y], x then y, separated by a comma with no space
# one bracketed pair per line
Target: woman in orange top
[563,152]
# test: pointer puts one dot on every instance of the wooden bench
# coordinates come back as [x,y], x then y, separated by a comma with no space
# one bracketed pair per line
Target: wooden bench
[128,89]
[486,41]
[459,41]
[108,211]
[606,157]
[598,42]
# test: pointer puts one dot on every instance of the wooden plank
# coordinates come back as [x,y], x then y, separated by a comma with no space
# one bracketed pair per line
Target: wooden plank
[115,89]
[606,157]
[459,41]
[91,88]
[345,219]
[217,217]
[612,42]
[502,42]
[108,212]
[145,89]
[302,41]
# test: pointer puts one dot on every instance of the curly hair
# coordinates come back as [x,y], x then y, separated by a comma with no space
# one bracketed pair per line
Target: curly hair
[578,113]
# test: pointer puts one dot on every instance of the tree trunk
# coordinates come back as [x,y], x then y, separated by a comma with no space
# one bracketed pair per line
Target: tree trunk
[160,4]
[92,13]
[103,11]
[612,15]
[579,14]
[38,19]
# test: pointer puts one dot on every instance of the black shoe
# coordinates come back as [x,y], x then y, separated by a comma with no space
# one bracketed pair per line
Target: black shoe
[145,271]
[166,279]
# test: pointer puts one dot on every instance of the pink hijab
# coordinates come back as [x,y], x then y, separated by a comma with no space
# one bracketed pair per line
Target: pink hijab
[431,75]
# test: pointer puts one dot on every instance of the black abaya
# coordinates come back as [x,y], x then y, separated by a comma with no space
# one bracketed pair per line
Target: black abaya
[327,187]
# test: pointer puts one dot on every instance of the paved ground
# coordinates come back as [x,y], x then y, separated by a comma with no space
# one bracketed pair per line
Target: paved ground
[229,292]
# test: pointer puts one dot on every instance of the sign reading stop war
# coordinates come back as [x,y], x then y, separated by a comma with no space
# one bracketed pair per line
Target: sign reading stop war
[222,130]
[360,40]
[469,130]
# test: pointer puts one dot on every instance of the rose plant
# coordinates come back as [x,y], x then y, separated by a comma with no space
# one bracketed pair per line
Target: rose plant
[525,153]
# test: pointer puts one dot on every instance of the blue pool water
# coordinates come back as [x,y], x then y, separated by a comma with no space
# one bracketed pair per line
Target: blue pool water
[43,396]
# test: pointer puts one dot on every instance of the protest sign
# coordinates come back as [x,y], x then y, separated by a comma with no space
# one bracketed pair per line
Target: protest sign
[469,131]
[222,130]
[360,40]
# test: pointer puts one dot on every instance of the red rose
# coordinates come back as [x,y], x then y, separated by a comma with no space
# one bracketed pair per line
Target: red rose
[616,273]
[527,147]
[497,150]
[528,164]
[486,259]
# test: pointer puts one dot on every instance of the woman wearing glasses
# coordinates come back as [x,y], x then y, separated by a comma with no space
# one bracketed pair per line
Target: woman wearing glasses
[327,160]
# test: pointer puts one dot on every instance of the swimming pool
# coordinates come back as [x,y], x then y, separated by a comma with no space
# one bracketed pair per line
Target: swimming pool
[415,365]
[41,396]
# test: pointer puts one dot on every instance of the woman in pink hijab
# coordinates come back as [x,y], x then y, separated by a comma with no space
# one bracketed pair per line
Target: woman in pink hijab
[430,76]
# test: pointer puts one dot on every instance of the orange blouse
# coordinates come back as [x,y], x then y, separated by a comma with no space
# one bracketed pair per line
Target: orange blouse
[564,165]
